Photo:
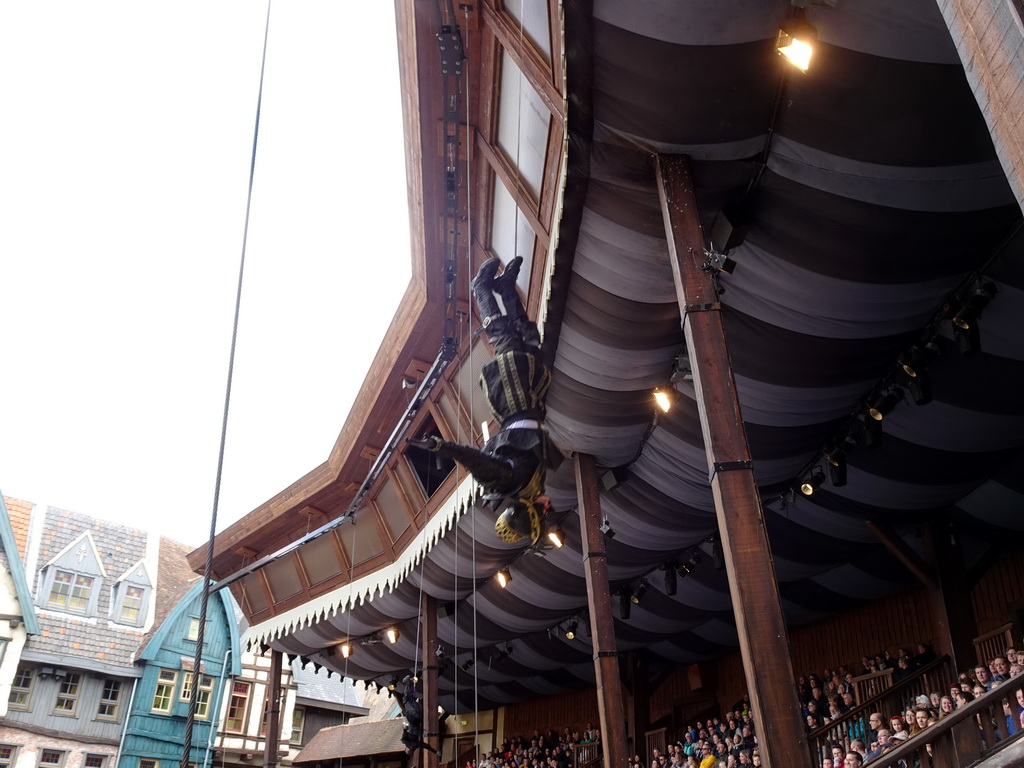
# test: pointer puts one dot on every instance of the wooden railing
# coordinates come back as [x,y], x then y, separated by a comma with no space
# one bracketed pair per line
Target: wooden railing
[654,740]
[972,733]
[994,643]
[936,676]
[586,755]
[871,685]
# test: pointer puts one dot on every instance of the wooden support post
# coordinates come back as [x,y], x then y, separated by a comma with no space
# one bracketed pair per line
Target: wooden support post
[428,681]
[273,743]
[951,599]
[610,710]
[756,603]
[899,549]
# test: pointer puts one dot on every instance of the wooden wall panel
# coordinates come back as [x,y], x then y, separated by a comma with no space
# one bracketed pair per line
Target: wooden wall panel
[998,597]
[573,709]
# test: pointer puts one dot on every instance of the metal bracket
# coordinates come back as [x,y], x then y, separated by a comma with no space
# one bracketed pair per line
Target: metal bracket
[724,466]
[601,654]
[712,307]
[588,555]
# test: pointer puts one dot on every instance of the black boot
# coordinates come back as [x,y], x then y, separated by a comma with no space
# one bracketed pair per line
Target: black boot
[483,292]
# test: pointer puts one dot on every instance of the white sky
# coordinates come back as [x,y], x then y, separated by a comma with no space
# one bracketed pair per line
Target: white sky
[124,162]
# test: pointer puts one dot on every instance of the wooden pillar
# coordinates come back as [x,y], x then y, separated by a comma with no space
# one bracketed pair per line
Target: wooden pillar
[273,743]
[951,598]
[641,720]
[429,681]
[610,710]
[757,606]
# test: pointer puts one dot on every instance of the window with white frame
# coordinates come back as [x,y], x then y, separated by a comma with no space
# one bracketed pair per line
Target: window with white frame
[131,605]
[21,688]
[238,707]
[8,754]
[205,693]
[147,763]
[298,720]
[67,695]
[70,592]
[110,699]
[163,696]
[95,760]
[51,758]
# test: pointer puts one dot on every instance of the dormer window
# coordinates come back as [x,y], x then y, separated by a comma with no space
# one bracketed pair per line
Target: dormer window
[70,592]
[131,596]
[71,581]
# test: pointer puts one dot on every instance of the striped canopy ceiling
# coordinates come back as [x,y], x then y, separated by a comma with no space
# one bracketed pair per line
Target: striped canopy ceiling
[879,195]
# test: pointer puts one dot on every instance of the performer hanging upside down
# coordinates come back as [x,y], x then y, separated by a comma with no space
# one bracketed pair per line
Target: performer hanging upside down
[512,464]
[412,731]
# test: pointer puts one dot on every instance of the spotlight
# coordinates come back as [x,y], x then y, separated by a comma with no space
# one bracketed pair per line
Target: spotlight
[670,579]
[796,40]
[556,537]
[836,467]
[718,262]
[882,405]
[638,594]
[467,665]
[813,482]
[391,633]
[504,577]
[392,683]
[346,650]
[570,629]
[913,362]
[624,605]
[973,303]
[664,397]
[606,529]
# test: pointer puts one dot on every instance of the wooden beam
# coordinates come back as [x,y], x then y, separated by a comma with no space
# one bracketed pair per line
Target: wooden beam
[273,743]
[899,549]
[952,612]
[428,615]
[756,603]
[610,709]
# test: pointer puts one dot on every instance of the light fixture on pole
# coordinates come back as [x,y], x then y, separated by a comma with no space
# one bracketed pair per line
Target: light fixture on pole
[556,537]
[391,633]
[504,577]
[796,40]
[813,482]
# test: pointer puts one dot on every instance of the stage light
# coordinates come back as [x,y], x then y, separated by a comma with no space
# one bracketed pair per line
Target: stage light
[638,594]
[467,665]
[836,467]
[391,633]
[556,537]
[606,529]
[813,482]
[796,40]
[624,605]
[975,301]
[570,629]
[882,405]
[664,397]
[346,650]
[504,577]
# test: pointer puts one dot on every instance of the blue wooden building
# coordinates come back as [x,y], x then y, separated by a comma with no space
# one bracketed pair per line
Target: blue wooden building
[155,732]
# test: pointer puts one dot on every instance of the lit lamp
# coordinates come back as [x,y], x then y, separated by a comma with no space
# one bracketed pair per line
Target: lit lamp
[664,397]
[346,650]
[392,634]
[796,40]
[504,577]
[556,537]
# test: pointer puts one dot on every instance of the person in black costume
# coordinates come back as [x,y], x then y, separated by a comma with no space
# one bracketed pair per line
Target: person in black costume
[412,731]
[512,465]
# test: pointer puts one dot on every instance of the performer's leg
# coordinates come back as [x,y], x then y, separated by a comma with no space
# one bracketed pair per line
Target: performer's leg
[488,471]
[483,292]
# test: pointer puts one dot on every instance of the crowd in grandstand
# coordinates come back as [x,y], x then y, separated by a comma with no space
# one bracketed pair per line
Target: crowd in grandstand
[829,697]
[731,740]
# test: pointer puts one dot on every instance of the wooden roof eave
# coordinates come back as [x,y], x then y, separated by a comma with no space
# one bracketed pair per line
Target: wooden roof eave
[270,526]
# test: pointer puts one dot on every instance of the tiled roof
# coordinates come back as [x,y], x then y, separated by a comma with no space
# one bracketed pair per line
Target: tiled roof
[19,513]
[317,686]
[345,741]
[173,580]
[119,548]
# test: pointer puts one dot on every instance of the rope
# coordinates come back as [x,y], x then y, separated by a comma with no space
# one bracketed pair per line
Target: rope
[197,669]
